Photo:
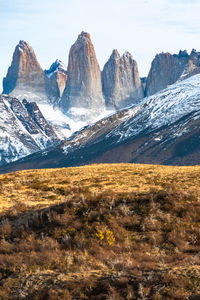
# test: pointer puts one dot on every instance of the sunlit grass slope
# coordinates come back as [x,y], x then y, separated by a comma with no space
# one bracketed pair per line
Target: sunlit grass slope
[39,188]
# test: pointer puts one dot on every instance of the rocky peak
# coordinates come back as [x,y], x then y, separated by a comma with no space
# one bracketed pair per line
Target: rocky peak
[23,46]
[57,66]
[56,78]
[83,88]
[83,36]
[194,51]
[22,43]
[121,81]
[25,77]
[115,55]
[183,53]
[165,69]
[195,57]
[127,55]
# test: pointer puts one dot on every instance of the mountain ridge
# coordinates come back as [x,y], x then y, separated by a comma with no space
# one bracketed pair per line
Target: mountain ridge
[80,95]
[23,129]
[160,124]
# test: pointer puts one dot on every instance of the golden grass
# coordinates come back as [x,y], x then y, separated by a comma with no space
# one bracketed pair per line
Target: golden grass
[124,232]
[41,188]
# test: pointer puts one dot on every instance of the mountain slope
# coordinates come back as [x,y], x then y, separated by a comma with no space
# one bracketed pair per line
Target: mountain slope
[23,129]
[164,129]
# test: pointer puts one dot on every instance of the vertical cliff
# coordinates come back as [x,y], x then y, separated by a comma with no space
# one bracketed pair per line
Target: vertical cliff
[83,88]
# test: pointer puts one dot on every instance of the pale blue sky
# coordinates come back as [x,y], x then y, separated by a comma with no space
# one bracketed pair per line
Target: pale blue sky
[142,27]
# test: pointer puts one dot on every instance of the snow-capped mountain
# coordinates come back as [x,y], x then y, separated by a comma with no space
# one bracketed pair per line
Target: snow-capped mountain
[55,79]
[81,96]
[57,66]
[164,128]
[23,129]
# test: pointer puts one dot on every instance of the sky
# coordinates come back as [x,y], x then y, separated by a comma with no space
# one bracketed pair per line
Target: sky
[142,27]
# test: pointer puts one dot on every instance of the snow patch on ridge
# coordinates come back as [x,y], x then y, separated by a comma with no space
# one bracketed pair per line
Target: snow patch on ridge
[162,109]
[67,125]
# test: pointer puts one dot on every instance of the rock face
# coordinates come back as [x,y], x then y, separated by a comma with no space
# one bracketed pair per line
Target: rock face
[166,69]
[25,77]
[56,78]
[121,82]
[83,88]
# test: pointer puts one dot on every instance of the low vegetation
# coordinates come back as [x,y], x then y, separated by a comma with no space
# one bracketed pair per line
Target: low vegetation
[116,231]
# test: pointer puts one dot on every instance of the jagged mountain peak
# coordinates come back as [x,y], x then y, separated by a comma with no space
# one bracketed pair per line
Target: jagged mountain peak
[167,68]
[27,58]
[183,53]
[84,36]
[25,77]
[57,66]
[83,92]
[56,77]
[121,81]
[193,51]
[115,54]
[127,54]
[23,44]
[61,65]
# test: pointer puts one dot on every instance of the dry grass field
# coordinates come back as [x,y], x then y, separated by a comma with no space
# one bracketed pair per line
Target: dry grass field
[39,188]
[118,231]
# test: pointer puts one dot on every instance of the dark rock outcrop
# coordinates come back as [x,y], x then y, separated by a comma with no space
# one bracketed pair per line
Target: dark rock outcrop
[121,82]
[83,88]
